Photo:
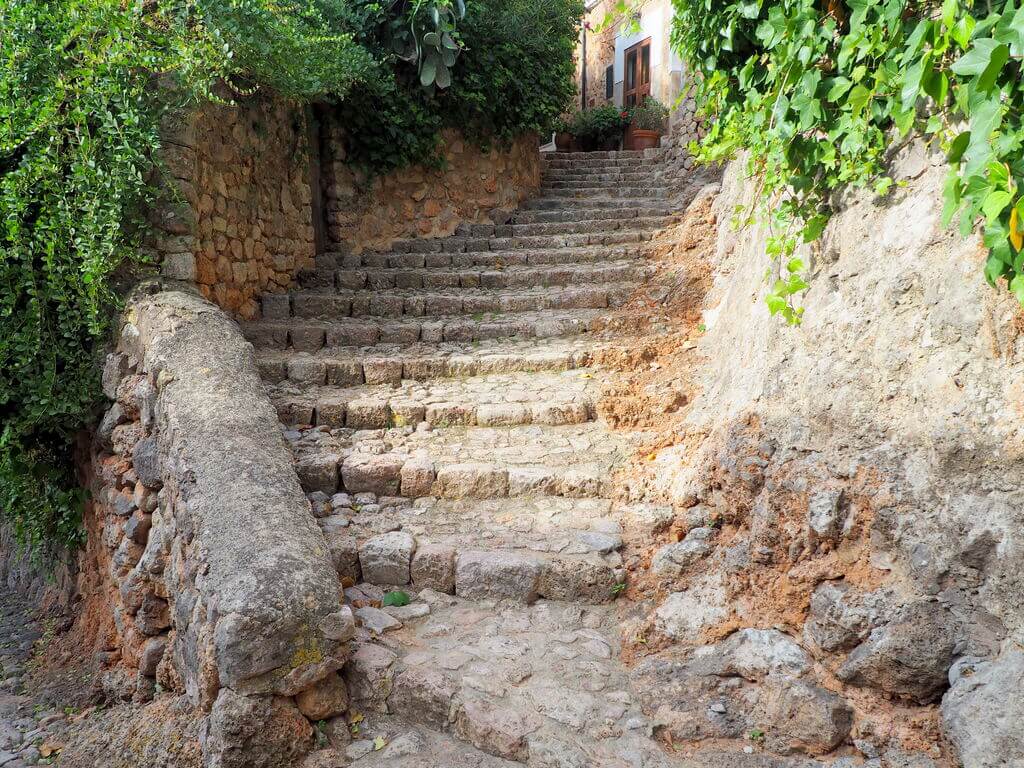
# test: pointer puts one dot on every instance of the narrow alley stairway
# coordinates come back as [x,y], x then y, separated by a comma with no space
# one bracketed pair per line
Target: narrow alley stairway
[441,403]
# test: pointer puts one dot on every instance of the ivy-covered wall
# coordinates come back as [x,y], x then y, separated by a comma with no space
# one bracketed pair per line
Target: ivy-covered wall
[244,224]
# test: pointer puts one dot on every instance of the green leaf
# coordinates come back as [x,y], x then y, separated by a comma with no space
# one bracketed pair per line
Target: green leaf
[1017,287]
[396,598]
[977,59]
[995,203]
[428,70]
[775,303]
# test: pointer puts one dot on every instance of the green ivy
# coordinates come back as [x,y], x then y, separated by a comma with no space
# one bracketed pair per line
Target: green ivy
[818,93]
[81,99]
[84,86]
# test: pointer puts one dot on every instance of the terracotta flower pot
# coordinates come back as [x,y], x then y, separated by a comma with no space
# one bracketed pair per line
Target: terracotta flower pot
[641,139]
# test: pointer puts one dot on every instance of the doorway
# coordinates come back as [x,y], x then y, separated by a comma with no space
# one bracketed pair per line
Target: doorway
[637,81]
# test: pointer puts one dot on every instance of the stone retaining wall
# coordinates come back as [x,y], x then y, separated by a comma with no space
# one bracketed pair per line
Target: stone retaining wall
[244,224]
[475,186]
[219,580]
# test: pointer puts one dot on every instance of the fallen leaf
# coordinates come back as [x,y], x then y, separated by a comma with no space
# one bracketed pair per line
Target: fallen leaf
[379,743]
[357,717]
[46,748]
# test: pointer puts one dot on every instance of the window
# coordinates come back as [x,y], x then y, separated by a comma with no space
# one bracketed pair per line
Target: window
[609,82]
[637,85]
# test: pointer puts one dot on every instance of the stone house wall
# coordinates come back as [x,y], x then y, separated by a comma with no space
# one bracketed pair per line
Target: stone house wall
[366,212]
[244,223]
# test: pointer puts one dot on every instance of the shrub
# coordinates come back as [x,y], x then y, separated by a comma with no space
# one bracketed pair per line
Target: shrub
[651,115]
[597,126]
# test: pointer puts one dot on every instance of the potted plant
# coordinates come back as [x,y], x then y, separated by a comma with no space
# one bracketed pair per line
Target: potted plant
[599,128]
[646,125]
[563,135]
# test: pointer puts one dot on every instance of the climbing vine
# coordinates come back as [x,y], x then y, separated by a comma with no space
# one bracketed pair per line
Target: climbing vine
[818,92]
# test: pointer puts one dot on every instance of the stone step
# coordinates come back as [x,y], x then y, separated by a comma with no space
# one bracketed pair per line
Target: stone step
[571,460]
[606,235]
[413,302]
[603,174]
[312,335]
[587,192]
[540,684]
[495,259]
[381,279]
[506,399]
[392,364]
[570,545]
[614,154]
[592,183]
[593,226]
[591,214]
[609,201]
[632,163]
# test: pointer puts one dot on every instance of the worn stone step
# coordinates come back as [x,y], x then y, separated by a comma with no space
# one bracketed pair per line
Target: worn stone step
[312,335]
[439,302]
[570,545]
[613,154]
[591,214]
[505,399]
[603,174]
[588,183]
[539,684]
[570,460]
[586,192]
[585,254]
[628,162]
[384,278]
[606,235]
[547,202]
[391,364]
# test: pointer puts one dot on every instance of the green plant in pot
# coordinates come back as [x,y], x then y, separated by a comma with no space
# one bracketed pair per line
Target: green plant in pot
[599,128]
[647,123]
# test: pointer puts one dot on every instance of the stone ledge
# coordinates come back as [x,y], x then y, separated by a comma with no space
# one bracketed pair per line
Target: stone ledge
[255,602]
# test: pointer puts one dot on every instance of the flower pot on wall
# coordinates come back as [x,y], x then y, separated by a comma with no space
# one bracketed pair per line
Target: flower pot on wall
[564,142]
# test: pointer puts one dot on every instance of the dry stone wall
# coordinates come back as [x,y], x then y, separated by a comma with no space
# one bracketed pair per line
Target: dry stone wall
[219,581]
[476,186]
[243,224]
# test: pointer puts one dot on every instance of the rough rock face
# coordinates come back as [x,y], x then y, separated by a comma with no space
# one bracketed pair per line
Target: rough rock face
[983,710]
[869,454]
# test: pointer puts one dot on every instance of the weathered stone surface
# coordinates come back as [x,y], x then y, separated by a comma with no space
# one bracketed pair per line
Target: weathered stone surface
[824,515]
[417,477]
[433,567]
[673,559]
[909,656]
[423,695]
[471,480]
[588,578]
[684,615]
[483,574]
[325,699]
[377,621]
[983,710]
[146,462]
[840,618]
[366,473]
[496,730]
[264,562]
[370,675]
[753,654]
[385,559]
[255,732]
[805,718]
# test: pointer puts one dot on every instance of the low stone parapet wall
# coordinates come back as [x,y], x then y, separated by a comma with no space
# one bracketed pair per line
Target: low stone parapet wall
[219,580]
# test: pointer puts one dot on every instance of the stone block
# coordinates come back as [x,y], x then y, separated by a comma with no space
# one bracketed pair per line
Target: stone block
[324,699]
[369,473]
[496,730]
[417,477]
[433,567]
[386,559]
[318,472]
[423,695]
[502,415]
[481,575]
[368,414]
[382,371]
[472,480]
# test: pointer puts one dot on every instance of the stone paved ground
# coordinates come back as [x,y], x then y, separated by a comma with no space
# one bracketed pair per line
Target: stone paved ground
[29,728]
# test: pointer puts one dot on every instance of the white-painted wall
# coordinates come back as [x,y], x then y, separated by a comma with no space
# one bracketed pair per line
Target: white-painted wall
[655,23]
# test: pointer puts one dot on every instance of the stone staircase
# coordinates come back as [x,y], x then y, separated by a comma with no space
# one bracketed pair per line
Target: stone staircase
[440,400]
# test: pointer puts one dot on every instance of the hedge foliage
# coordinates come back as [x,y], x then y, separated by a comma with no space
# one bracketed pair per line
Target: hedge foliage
[819,92]
[84,85]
